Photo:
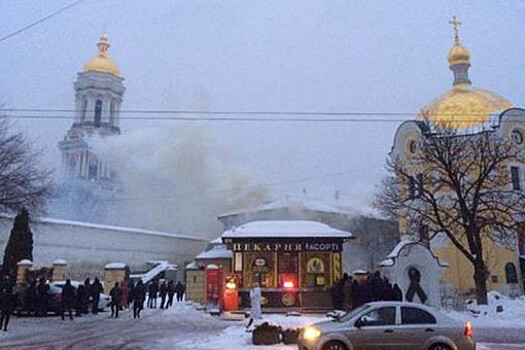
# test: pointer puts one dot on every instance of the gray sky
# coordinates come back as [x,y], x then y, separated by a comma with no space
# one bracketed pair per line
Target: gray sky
[353,56]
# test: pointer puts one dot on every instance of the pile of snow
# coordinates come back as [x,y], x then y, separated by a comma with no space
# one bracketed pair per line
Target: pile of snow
[290,322]
[511,311]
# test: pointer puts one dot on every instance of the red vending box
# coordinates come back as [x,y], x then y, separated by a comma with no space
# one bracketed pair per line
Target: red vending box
[214,288]
[231,292]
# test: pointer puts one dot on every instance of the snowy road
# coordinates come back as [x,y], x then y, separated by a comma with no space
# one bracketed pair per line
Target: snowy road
[179,328]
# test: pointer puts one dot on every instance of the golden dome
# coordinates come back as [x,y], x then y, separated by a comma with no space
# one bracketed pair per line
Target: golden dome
[101,62]
[464,106]
[458,54]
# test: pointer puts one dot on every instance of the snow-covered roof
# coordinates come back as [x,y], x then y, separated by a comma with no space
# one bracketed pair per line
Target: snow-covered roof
[359,272]
[115,265]
[285,228]
[395,252]
[59,262]
[106,227]
[193,266]
[217,240]
[25,262]
[212,267]
[217,252]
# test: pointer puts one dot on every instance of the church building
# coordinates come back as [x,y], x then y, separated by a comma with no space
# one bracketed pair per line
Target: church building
[470,111]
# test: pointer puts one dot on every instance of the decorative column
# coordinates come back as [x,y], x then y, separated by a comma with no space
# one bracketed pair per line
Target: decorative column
[59,270]
[23,267]
[113,272]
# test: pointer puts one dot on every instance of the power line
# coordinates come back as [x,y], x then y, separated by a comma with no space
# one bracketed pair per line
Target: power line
[257,186]
[51,15]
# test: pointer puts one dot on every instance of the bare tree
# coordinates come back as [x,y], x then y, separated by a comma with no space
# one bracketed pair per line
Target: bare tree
[459,184]
[23,182]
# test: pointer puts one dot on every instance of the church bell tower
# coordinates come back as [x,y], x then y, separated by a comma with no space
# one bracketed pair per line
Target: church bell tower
[98,97]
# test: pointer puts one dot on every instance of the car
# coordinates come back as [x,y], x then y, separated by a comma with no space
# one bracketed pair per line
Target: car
[390,326]
[55,289]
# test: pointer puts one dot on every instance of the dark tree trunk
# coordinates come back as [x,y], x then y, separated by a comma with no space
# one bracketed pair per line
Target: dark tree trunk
[480,279]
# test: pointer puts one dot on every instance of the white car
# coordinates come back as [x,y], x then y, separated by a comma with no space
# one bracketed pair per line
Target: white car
[389,326]
[104,298]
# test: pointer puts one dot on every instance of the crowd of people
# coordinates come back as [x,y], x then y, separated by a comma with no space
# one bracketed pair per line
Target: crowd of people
[349,293]
[35,297]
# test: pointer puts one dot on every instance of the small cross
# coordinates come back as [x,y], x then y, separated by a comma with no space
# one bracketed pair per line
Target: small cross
[456,25]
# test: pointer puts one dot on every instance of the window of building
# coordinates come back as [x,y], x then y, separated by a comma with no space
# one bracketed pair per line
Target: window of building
[380,317]
[112,113]
[511,274]
[515,178]
[315,272]
[92,171]
[287,268]
[260,272]
[83,111]
[238,262]
[411,188]
[420,186]
[494,279]
[98,113]
[517,136]
[412,315]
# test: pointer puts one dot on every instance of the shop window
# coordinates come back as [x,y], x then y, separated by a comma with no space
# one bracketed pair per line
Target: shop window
[287,269]
[238,262]
[315,273]
[260,272]
[511,273]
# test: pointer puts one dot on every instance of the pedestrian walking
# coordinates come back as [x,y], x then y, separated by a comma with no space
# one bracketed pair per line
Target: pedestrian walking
[79,299]
[31,298]
[123,295]
[96,289]
[42,297]
[397,293]
[347,292]
[179,290]
[171,293]
[68,298]
[139,294]
[87,297]
[115,296]
[7,301]
[163,291]
[255,304]
[153,289]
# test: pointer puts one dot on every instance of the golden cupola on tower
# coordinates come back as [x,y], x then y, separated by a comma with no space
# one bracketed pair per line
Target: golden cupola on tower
[463,106]
[101,62]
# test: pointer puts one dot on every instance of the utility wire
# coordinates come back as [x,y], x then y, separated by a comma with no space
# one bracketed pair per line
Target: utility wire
[51,15]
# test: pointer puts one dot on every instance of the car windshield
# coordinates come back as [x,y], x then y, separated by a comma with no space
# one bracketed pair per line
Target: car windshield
[351,314]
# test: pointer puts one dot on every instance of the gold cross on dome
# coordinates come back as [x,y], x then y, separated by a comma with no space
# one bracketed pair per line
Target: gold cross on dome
[456,25]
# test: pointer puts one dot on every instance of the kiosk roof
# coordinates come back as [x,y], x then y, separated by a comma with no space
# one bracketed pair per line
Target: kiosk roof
[285,228]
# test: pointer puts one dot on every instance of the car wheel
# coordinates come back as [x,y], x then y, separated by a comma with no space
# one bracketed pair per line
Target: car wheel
[440,347]
[334,345]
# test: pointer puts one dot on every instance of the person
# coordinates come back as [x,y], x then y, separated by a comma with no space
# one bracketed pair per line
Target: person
[255,303]
[131,295]
[377,287]
[139,294]
[179,290]
[152,294]
[347,292]
[171,293]
[115,296]
[7,300]
[96,289]
[87,296]
[79,300]
[163,291]
[31,298]
[42,297]
[397,293]
[68,297]
[123,295]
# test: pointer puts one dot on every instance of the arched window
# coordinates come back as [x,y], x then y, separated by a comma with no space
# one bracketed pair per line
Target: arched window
[315,272]
[510,273]
[98,113]
[83,111]
[112,113]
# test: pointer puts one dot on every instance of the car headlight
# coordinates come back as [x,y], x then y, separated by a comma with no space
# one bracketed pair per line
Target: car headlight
[311,333]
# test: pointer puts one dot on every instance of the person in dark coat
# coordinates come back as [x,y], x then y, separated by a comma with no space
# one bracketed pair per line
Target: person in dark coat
[338,295]
[96,289]
[153,289]
[397,293]
[355,294]
[79,299]
[179,290]
[87,295]
[7,301]
[139,295]
[163,291]
[31,298]
[131,288]
[115,300]
[42,297]
[68,298]
[171,293]
[377,287]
